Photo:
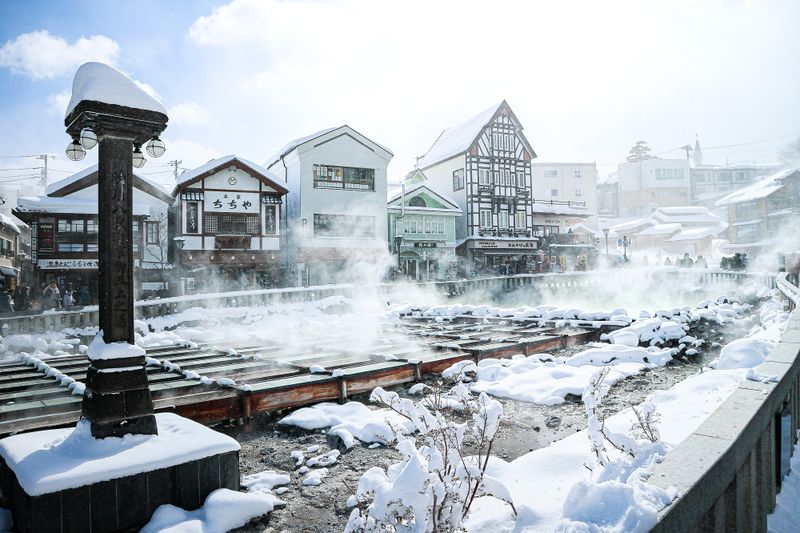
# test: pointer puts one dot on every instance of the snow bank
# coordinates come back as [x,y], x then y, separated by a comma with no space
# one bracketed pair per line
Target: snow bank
[361,422]
[58,459]
[264,481]
[222,511]
[99,82]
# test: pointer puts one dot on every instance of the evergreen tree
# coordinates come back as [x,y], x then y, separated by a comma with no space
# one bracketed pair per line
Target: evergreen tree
[639,152]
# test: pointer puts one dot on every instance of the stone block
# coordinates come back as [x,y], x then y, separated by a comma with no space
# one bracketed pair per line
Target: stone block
[76,515]
[133,507]
[104,506]
[187,485]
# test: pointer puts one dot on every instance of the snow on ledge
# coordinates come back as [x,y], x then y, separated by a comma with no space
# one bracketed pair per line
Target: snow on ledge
[98,82]
[99,349]
[59,459]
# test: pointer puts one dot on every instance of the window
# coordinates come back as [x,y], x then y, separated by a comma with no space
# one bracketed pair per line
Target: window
[71,226]
[362,227]
[699,177]
[270,220]
[521,180]
[741,176]
[774,225]
[70,235]
[576,173]
[232,224]
[521,222]
[458,179]
[553,192]
[151,232]
[486,218]
[350,178]
[484,177]
[417,201]
[508,176]
[502,218]
[551,173]
[192,223]
[746,211]
[578,192]
[747,233]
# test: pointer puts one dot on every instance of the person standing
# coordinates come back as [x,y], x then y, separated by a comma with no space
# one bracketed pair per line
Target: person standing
[51,297]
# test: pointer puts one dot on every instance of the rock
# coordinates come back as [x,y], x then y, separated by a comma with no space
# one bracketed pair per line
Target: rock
[537,429]
[335,442]
[552,422]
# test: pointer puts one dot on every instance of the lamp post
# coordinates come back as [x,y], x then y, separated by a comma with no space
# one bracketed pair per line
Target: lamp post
[625,248]
[605,233]
[398,240]
[179,243]
[117,400]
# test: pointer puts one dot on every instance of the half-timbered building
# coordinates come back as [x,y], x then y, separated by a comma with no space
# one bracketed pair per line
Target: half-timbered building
[484,165]
[228,223]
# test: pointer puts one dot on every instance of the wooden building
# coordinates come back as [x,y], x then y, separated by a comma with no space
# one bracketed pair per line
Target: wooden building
[228,216]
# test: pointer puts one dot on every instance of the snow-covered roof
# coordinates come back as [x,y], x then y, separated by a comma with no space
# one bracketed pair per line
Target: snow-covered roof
[55,187]
[190,175]
[550,209]
[67,205]
[685,215]
[582,229]
[760,189]
[660,229]
[413,188]
[692,234]
[9,222]
[457,139]
[632,225]
[99,82]
[291,145]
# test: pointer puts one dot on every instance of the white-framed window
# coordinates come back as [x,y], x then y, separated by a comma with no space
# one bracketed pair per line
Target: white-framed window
[486,218]
[508,176]
[484,177]
[521,220]
[458,179]
[496,178]
[577,173]
[551,173]
[271,220]
[521,180]
[398,227]
[578,192]
[502,218]
[553,192]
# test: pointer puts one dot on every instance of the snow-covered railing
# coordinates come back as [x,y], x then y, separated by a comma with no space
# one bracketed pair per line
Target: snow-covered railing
[728,472]
[89,316]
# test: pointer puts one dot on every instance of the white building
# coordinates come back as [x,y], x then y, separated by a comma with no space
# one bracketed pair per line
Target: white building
[646,185]
[575,183]
[484,165]
[336,206]
[228,215]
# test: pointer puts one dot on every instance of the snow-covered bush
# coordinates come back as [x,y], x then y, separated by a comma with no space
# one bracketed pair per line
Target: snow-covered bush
[432,488]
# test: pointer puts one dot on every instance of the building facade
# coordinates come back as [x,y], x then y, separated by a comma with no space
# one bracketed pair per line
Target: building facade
[336,206]
[423,223]
[10,252]
[711,182]
[484,165]
[764,216]
[228,225]
[64,227]
[574,183]
[644,186]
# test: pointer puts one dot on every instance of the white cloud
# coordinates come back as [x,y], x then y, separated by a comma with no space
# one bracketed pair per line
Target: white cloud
[188,114]
[40,55]
[57,103]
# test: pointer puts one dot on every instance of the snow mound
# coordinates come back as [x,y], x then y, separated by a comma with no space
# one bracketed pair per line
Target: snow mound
[743,353]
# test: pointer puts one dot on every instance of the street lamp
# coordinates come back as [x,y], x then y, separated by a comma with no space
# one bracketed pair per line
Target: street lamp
[625,243]
[605,232]
[179,243]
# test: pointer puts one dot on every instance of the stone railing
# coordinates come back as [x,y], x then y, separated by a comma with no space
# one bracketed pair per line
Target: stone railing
[730,469]
[89,316]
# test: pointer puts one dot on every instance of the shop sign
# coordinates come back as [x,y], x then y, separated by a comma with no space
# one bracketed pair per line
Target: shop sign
[34,242]
[527,245]
[231,202]
[552,221]
[424,245]
[58,264]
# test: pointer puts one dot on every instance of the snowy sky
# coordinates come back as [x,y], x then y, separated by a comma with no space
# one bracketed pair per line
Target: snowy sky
[587,79]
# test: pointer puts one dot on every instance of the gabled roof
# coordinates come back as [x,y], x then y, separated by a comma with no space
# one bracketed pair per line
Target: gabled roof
[296,143]
[456,140]
[418,188]
[215,165]
[760,189]
[72,206]
[88,177]
[685,215]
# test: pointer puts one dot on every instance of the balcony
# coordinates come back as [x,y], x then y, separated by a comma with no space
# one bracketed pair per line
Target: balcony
[522,193]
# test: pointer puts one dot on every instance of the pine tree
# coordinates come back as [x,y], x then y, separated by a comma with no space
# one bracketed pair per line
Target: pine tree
[639,152]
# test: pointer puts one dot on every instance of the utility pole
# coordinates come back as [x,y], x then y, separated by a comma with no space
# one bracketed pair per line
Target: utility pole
[175,163]
[44,157]
[688,149]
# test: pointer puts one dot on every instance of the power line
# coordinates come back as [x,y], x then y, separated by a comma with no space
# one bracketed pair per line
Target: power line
[16,169]
[17,156]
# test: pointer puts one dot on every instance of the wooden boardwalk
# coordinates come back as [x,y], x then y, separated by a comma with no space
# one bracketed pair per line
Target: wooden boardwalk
[213,385]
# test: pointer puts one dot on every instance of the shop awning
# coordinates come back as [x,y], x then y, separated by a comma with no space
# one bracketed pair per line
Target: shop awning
[8,272]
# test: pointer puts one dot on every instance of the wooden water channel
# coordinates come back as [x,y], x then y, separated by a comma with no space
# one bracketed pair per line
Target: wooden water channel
[225,384]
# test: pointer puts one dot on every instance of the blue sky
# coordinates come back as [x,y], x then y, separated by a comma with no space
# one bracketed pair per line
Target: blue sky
[587,79]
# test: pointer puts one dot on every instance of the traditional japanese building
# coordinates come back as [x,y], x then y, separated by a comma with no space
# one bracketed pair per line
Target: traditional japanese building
[63,227]
[336,206]
[423,223]
[228,220]
[484,165]
[10,237]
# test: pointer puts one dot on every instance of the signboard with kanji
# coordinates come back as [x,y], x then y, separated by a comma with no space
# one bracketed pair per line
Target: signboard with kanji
[231,202]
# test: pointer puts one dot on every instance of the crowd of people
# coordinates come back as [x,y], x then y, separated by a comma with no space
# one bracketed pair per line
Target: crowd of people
[22,299]
[687,262]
